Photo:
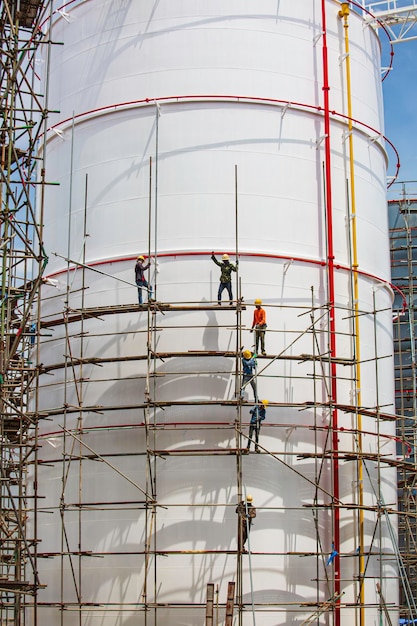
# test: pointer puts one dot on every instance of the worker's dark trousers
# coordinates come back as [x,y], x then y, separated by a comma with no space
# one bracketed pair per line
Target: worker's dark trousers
[243,532]
[253,429]
[144,283]
[222,287]
[260,336]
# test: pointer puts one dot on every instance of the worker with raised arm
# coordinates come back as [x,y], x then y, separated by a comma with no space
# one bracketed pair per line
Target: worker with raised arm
[141,282]
[259,325]
[225,277]
[247,513]
[249,373]
[258,414]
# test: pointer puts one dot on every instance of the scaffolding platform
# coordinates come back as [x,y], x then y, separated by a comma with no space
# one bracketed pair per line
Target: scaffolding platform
[70,316]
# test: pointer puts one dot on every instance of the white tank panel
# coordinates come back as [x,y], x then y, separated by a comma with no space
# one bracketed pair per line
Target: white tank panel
[184,48]
[201,195]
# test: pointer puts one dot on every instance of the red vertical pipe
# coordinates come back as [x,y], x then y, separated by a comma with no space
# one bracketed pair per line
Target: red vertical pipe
[331,296]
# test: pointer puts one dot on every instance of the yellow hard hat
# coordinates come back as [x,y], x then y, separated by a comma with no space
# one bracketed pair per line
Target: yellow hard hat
[141,258]
[225,257]
[258,302]
[265,402]
[249,498]
[247,354]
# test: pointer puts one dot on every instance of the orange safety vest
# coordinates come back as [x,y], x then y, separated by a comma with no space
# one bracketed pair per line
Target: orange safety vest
[259,317]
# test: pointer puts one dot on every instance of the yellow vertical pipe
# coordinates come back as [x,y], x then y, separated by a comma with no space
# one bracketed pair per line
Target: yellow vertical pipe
[344,13]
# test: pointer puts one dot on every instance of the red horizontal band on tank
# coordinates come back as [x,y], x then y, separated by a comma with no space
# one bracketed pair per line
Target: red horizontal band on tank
[230,98]
[231,253]
[281,257]
[384,28]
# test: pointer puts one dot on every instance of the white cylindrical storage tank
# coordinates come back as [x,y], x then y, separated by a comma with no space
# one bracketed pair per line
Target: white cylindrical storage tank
[187,127]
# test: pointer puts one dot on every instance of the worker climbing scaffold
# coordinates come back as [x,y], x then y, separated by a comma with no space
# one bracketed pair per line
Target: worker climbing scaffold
[258,414]
[247,513]
[249,373]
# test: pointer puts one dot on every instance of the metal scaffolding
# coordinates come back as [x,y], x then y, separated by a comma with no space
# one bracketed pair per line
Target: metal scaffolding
[403,238]
[79,365]
[22,114]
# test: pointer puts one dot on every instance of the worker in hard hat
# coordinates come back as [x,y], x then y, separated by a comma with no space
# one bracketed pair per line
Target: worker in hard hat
[258,414]
[247,514]
[259,325]
[249,373]
[225,277]
[142,283]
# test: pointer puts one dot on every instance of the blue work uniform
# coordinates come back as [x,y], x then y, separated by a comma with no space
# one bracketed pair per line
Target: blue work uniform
[249,371]
[258,414]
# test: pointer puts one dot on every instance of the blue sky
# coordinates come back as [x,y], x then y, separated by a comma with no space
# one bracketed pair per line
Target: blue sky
[400,103]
